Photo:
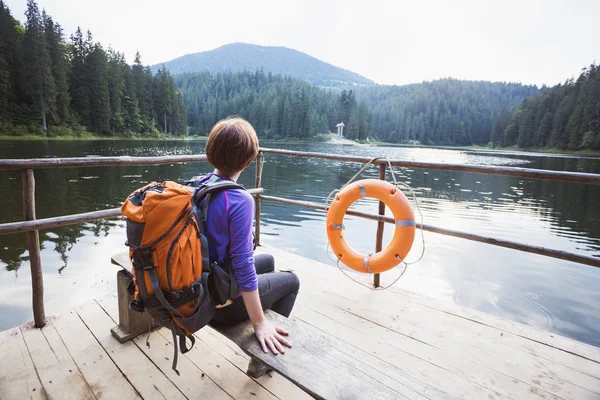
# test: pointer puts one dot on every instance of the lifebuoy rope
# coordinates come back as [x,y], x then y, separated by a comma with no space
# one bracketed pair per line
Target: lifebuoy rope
[396,187]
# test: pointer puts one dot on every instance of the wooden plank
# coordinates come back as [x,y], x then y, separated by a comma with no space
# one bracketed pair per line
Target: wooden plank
[57,371]
[309,363]
[497,355]
[18,377]
[230,379]
[272,381]
[387,374]
[140,371]
[122,260]
[192,381]
[423,319]
[102,375]
[447,331]
[506,381]
[450,382]
[563,343]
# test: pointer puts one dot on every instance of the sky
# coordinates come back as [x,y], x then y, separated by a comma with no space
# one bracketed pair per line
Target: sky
[391,42]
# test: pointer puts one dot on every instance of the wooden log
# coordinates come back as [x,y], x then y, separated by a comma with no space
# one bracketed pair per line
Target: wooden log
[560,254]
[258,180]
[36,163]
[33,244]
[380,226]
[54,222]
[563,176]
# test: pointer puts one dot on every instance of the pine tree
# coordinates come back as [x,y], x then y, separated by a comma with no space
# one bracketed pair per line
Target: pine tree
[512,130]
[560,119]
[116,90]
[56,50]
[100,115]
[363,121]
[39,83]
[132,120]
[526,128]
[11,93]
[163,97]
[143,82]
[304,122]
[351,128]
[543,131]
[500,125]
[287,122]
[79,84]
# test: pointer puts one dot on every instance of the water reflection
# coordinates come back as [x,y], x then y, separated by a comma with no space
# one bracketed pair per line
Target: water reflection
[542,292]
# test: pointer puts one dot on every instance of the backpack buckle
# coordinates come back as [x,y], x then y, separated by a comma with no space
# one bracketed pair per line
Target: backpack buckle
[145,257]
[136,305]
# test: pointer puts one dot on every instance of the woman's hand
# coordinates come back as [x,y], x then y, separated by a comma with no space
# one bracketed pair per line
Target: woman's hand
[270,336]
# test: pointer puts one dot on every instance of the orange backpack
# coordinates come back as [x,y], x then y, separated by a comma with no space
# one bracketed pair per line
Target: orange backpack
[172,276]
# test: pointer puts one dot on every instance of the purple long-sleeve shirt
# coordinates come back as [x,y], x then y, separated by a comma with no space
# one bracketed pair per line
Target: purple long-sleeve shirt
[228,229]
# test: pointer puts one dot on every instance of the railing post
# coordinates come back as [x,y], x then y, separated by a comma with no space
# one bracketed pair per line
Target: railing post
[259,168]
[380,225]
[33,243]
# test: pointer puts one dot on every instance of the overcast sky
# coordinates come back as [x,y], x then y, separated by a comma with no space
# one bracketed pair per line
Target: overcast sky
[391,42]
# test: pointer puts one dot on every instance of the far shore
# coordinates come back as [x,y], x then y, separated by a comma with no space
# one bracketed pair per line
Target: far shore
[324,138]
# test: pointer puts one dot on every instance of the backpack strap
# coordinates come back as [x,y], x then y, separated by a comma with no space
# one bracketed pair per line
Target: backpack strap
[215,186]
[205,192]
[158,292]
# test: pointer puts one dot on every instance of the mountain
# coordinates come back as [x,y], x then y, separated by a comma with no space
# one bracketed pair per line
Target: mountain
[277,60]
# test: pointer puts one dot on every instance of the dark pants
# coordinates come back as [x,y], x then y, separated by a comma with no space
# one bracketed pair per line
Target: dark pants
[277,290]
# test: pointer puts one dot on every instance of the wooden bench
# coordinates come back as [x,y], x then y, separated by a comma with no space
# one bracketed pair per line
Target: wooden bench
[323,367]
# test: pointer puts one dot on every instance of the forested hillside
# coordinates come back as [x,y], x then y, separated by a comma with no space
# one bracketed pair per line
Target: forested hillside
[440,112]
[565,117]
[239,57]
[277,106]
[50,86]
[446,111]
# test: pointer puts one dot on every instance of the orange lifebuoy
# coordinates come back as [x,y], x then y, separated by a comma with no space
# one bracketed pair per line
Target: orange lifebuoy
[404,233]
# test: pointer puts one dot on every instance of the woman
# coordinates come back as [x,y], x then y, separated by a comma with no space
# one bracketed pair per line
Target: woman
[231,147]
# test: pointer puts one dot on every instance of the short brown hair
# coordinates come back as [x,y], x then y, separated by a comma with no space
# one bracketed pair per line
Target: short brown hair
[232,145]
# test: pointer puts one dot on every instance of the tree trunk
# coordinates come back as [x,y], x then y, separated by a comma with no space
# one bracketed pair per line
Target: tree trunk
[43,109]
[165,114]
[170,127]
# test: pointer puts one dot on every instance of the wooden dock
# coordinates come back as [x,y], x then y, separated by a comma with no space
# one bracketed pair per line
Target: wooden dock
[418,347]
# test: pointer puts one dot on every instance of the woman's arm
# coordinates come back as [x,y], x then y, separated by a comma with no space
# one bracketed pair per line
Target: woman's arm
[241,251]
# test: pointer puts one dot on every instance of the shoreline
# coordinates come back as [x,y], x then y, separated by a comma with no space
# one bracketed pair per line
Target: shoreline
[319,139]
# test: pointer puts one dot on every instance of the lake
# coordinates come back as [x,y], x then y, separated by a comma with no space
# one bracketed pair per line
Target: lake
[549,294]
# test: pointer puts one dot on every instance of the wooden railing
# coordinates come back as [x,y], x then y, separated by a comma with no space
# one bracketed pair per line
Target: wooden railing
[31,225]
